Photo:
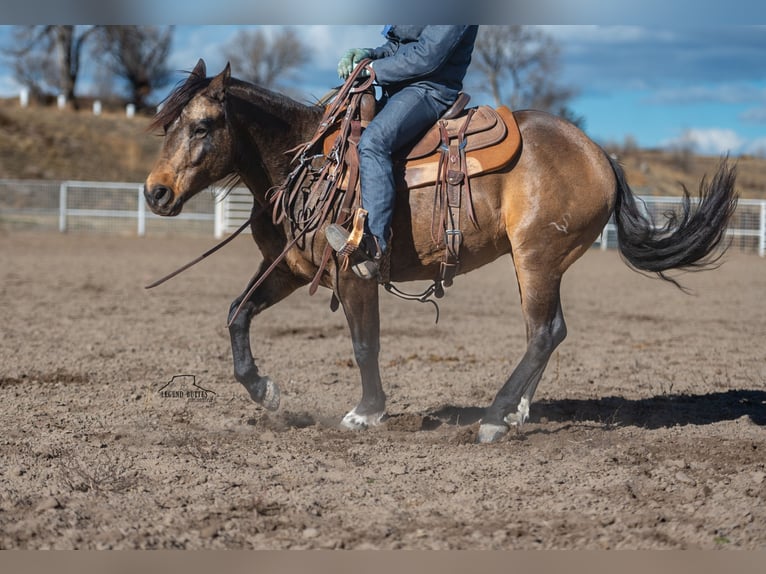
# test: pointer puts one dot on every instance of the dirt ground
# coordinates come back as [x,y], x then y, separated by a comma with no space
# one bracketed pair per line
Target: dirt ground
[647,430]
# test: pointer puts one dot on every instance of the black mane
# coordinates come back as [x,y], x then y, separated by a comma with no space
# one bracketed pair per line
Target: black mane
[185,90]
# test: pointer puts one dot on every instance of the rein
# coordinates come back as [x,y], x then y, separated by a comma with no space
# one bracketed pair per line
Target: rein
[212,250]
[219,245]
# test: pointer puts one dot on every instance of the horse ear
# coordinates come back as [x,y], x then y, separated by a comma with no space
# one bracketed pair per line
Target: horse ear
[200,70]
[218,85]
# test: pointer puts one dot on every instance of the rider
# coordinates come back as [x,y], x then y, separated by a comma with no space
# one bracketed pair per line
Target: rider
[421,71]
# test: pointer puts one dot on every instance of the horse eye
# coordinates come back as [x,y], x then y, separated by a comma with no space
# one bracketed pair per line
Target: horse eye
[200,131]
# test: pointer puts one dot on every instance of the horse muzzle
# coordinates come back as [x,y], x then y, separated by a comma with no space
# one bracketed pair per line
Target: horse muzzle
[161,200]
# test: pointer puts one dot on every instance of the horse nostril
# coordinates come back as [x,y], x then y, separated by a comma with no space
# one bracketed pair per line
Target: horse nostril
[161,195]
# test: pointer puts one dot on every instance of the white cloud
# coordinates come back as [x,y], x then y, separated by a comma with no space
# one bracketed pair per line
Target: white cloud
[710,141]
[754,115]
[722,93]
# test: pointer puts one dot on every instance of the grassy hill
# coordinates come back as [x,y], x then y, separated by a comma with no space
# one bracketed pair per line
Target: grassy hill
[653,172]
[48,143]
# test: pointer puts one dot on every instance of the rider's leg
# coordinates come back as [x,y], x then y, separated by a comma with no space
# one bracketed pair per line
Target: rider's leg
[406,115]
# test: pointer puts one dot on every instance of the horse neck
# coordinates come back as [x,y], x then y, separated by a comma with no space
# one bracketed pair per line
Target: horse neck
[266,125]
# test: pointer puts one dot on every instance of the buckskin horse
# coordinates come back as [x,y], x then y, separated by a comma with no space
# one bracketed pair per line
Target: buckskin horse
[545,208]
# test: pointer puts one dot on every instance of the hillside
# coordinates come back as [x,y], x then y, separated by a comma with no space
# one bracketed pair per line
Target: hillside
[47,143]
[652,172]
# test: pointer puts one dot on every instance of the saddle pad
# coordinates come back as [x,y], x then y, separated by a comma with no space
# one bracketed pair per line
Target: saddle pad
[480,157]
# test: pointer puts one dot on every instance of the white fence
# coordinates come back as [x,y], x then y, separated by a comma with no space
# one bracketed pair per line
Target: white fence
[234,210]
[98,206]
[121,208]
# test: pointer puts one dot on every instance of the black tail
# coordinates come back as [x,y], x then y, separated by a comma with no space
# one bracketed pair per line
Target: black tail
[689,240]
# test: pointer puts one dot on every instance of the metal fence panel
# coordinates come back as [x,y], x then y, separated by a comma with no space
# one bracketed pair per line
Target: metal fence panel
[29,204]
[113,207]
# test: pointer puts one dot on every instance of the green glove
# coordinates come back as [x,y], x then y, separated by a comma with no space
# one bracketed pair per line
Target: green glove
[350,59]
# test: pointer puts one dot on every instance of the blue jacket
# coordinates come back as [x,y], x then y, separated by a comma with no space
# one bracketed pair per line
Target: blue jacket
[436,57]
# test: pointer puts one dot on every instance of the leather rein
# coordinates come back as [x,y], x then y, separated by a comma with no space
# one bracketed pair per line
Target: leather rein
[212,250]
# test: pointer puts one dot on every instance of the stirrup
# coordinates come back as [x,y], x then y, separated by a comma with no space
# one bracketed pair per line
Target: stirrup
[360,262]
[343,242]
[347,245]
[357,233]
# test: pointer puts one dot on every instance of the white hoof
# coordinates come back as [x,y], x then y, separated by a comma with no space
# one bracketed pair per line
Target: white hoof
[491,433]
[355,421]
[271,397]
[521,415]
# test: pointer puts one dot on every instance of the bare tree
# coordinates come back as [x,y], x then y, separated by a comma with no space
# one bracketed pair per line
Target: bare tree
[524,60]
[47,58]
[138,56]
[263,58]
[37,71]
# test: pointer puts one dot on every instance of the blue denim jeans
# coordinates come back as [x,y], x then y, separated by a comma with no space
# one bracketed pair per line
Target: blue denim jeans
[406,115]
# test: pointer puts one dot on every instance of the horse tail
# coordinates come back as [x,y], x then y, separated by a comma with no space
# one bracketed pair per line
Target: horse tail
[689,239]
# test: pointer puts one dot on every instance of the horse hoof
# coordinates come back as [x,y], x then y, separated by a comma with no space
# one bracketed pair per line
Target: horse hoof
[491,433]
[271,396]
[265,392]
[354,421]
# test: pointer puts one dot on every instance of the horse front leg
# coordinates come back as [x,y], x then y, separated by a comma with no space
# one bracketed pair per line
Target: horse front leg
[278,285]
[359,298]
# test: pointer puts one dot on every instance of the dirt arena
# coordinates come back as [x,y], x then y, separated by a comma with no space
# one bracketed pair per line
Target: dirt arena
[648,429]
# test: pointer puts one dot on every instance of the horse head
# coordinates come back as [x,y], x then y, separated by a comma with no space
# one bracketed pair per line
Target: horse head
[197,148]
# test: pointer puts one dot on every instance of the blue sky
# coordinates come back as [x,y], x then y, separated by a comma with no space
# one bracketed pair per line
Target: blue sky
[658,85]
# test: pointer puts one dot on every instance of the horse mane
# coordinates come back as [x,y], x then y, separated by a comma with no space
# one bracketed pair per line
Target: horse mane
[185,90]
[181,95]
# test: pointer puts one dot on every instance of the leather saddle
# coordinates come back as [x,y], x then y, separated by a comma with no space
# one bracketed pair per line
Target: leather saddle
[492,140]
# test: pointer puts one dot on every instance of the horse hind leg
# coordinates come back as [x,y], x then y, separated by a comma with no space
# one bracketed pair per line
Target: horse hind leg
[546,329]
[518,418]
